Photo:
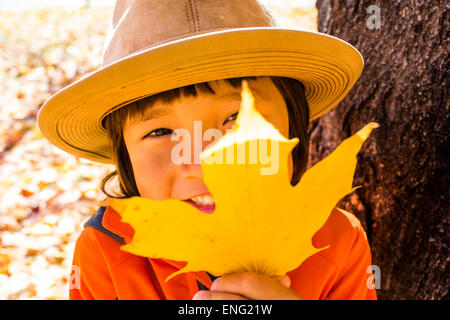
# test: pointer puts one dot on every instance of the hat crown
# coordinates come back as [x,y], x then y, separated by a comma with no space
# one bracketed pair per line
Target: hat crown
[140,24]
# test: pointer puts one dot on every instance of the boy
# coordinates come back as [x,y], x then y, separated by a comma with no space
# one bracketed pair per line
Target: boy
[166,65]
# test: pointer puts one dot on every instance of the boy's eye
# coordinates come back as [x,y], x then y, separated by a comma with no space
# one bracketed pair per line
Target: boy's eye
[163,131]
[158,132]
[232,117]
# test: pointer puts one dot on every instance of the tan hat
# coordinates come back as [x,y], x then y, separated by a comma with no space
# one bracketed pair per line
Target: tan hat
[154,46]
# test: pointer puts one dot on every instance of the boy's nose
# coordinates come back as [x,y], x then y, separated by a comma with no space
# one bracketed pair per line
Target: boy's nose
[193,169]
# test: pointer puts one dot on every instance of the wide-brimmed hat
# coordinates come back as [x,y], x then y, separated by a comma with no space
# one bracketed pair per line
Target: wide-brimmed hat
[154,46]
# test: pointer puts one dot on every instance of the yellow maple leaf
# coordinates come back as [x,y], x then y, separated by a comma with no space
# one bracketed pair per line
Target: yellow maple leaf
[261,223]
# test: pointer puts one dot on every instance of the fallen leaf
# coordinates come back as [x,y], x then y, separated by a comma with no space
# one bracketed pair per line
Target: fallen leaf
[26,193]
[261,223]
[5,260]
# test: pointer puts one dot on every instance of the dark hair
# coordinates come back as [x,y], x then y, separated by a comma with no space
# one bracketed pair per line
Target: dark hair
[292,91]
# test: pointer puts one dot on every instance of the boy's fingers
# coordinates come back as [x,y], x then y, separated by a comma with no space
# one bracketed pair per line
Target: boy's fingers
[214,295]
[253,286]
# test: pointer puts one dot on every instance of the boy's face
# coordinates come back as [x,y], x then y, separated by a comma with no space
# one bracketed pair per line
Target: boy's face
[150,146]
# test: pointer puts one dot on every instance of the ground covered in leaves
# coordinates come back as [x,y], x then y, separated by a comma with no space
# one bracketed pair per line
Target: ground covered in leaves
[46,194]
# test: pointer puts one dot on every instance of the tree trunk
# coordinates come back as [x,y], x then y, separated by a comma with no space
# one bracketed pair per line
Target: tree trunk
[403,167]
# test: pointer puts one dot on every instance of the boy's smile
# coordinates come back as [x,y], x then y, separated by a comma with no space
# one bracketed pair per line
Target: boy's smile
[204,203]
[150,147]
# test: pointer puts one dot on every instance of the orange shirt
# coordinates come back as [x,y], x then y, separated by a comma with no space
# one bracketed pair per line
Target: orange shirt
[102,271]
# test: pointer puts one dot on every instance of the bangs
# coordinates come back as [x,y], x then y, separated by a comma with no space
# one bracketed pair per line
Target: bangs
[137,109]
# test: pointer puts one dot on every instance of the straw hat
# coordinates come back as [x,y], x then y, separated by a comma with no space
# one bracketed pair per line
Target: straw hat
[154,46]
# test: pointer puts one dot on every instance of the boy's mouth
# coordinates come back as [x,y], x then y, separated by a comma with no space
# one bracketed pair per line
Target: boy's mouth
[204,203]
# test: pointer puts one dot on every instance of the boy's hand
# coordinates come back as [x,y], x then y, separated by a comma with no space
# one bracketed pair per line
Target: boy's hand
[249,286]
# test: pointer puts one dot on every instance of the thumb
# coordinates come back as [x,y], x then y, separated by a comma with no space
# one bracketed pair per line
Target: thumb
[285,280]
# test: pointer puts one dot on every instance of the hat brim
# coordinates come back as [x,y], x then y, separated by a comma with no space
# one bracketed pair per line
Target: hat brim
[327,66]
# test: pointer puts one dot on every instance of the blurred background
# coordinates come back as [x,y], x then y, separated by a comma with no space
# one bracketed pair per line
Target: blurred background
[47,194]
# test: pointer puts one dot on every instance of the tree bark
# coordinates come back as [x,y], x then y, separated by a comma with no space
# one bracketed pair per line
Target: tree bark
[403,167]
